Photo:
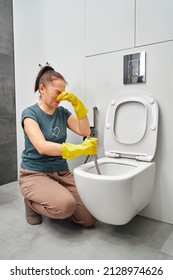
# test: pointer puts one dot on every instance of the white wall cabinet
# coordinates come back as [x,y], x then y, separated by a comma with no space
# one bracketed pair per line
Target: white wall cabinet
[109,25]
[153,21]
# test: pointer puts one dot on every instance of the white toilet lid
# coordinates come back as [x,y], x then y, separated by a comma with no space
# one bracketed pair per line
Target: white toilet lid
[131,126]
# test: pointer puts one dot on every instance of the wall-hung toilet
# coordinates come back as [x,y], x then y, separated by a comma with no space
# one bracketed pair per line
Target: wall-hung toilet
[126,183]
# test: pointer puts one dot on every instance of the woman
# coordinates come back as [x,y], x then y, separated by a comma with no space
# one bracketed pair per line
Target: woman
[45,180]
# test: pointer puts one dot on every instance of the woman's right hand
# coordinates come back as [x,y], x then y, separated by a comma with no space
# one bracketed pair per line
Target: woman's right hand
[79,107]
[88,147]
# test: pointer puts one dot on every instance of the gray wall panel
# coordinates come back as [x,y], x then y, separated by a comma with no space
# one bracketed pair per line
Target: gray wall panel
[6,27]
[7,92]
[8,167]
[8,144]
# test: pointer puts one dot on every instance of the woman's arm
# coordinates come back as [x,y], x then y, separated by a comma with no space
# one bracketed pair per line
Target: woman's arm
[80,127]
[37,139]
[80,124]
[66,150]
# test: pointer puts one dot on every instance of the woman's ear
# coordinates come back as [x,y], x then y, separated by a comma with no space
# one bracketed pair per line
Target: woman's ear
[41,88]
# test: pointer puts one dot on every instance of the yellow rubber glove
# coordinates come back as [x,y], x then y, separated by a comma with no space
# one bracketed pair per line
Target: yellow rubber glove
[79,107]
[88,147]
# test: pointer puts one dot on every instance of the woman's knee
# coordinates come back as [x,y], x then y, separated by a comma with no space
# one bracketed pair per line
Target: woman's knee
[67,208]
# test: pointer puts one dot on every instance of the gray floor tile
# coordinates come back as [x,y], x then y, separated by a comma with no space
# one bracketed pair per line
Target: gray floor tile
[163,256]
[141,238]
[167,248]
[149,232]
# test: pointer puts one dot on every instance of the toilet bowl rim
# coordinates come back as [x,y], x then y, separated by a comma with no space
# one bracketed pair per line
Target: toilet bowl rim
[138,167]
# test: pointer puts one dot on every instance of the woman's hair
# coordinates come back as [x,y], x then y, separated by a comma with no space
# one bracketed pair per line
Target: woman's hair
[46,75]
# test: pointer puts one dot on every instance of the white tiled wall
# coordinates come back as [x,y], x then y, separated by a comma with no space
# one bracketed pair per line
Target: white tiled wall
[29,52]
[152,27]
[53,33]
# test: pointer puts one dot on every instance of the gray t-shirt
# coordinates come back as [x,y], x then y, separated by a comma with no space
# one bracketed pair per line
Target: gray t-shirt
[54,129]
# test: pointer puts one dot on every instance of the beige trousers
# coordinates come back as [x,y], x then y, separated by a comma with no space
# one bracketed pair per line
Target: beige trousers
[54,195]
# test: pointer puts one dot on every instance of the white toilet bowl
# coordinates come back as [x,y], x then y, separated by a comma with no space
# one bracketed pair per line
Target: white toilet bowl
[126,183]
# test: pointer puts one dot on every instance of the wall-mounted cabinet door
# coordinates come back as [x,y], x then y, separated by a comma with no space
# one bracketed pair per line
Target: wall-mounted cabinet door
[154,21]
[109,25]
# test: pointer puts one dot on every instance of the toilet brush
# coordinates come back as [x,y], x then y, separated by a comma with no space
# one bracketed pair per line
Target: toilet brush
[96,164]
[95,161]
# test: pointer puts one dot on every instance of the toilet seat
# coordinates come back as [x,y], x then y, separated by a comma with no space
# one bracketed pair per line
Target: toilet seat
[131,127]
